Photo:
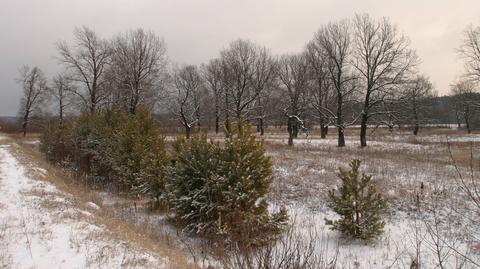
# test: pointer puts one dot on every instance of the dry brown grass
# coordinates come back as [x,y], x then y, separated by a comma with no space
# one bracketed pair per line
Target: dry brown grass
[307,171]
[79,195]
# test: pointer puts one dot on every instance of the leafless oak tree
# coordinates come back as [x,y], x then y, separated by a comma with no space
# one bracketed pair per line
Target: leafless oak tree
[248,69]
[212,74]
[139,66]
[383,59]
[87,60]
[465,101]
[61,90]
[34,85]
[321,89]
[415,93]
[334,41]
[292,72]
[470,51]
[188,84]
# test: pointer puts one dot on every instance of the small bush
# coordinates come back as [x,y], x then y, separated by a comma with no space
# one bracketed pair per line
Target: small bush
[114,149]
[137,156]
[218,190]
[94,136]
[359,205]
[56,142]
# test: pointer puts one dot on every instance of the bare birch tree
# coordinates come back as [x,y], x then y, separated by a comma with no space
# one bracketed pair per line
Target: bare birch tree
[383,59]
[139,67]
[87,61]
[34,86]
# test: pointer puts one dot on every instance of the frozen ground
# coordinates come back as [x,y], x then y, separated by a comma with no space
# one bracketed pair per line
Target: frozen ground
[425,223]
[434,224]
[40,226]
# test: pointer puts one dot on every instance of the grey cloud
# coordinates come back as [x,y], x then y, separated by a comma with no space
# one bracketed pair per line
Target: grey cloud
[196,30]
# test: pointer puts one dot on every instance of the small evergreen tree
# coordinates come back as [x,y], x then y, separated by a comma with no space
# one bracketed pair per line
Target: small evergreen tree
[56,143]
[121,151]
[218,189]
[359,205]
[137,155]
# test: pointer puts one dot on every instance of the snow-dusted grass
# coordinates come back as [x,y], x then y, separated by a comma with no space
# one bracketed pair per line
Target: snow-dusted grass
[44,227]
[424,221]
[400,163]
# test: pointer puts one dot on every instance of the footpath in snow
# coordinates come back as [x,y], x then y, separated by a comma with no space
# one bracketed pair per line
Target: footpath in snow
[40,226]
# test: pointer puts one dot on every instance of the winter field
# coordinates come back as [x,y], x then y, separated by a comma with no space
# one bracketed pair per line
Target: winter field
[49,222]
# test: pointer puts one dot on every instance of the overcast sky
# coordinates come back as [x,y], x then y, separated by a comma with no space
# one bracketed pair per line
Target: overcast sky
[195,30]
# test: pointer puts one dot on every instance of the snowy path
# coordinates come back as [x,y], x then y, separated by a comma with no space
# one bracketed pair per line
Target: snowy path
[40,226]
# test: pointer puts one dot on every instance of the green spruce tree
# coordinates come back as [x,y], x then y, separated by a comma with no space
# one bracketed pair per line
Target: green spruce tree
[218,189]
[359,204]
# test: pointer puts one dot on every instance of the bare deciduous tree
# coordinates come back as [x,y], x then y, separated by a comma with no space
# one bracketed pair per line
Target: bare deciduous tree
[415,94]
[34,85]
[334,40]
[292,72]
[212,73]
[470,51]
[87,60]
[188,83]
[383,59]
[248,69]
[139,66]
[61,90]
[465,101]
[320,94]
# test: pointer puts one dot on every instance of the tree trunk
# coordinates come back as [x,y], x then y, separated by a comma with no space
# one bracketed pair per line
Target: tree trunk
[323,129]
[227,115]
[415,118]
[262,130]
[295,129]
[25,124]
[197,114]
[24,128]
[467,119]
[459,124]
[217,120]
[187,131]
[341,137]
[416,124]
[60,112]
[341,131]
[363,130]
[290,130]
[415,129]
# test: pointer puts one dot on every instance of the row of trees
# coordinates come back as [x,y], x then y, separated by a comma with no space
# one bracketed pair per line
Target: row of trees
[354,71]
[361,63]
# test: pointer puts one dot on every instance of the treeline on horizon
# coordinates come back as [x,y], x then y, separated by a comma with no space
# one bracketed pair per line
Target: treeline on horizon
[358,71]
[438,114]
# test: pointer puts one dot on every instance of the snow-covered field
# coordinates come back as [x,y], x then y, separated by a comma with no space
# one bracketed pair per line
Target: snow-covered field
[425,223]
[431,220]
[41,227]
